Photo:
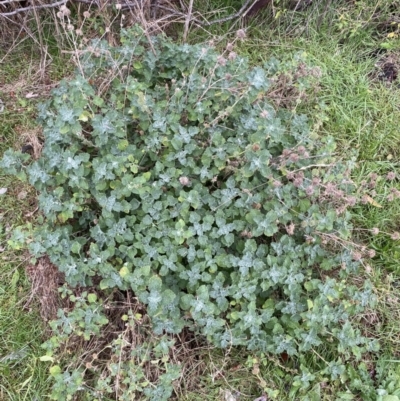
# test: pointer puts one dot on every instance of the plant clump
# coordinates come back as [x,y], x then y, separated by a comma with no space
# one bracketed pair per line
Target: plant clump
[168,172]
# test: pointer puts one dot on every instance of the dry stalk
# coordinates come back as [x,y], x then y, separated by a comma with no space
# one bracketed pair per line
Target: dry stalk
[187,22]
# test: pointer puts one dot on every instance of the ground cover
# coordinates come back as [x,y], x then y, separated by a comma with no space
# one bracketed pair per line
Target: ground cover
[362,114]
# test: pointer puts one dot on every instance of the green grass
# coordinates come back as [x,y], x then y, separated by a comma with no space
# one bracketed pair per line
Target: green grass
[364,117]
[22,375]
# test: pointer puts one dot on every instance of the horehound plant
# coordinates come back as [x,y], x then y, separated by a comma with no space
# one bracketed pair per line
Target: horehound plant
[167,173]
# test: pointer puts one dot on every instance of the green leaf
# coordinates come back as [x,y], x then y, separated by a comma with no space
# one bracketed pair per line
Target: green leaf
[76,247]
[176,143]
[186,301]
[92,298]
[103,284]
[55,370]
[155,283]
[98,101]
[390,398]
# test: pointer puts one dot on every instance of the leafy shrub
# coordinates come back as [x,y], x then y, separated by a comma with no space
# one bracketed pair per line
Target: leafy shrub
[167,171]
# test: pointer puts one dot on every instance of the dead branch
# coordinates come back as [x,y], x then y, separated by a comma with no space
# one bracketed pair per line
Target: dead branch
[32,8]
[128,5]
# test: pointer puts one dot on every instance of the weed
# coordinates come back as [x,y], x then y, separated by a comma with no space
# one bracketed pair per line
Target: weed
[362,115]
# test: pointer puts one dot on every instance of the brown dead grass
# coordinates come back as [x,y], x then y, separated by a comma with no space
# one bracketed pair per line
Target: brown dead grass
[285,92]
[33,137]
[189,352]
[45,280]
[99,352]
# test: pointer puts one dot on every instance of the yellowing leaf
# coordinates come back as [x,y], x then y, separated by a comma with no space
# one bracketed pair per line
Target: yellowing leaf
[85,116]
[46,358]
[64,129]
[372,201]
[310,304]
[124,271]
[55,370]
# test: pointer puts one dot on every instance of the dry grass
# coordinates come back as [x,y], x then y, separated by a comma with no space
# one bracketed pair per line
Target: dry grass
[285,91]
[45,280]
[120,338]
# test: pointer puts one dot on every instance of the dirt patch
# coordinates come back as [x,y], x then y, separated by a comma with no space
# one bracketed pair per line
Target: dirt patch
[31,141]
[387,69]
[45,280]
